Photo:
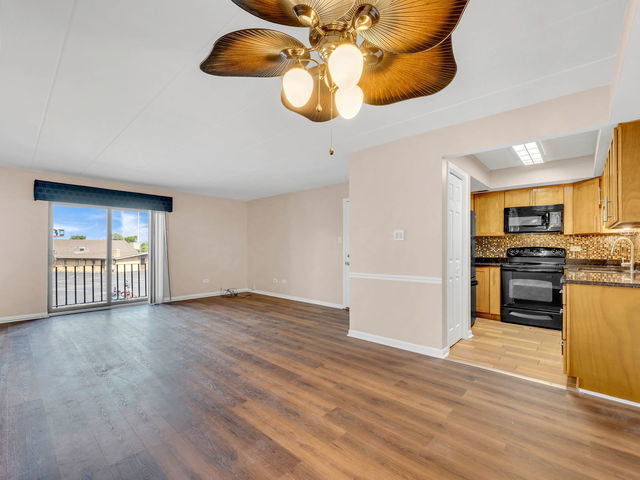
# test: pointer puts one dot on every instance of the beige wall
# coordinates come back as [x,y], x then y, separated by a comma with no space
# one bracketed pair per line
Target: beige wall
[400,185]
[295,238]
[565,171]
[207,239]
[475,168]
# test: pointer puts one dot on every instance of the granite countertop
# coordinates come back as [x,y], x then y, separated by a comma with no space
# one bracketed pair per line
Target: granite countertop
[585,272]
[576,274]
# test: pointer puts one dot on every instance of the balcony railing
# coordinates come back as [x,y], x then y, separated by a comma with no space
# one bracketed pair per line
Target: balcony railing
[87,284]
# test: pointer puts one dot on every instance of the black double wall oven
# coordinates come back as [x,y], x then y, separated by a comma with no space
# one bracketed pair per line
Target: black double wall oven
[532,287]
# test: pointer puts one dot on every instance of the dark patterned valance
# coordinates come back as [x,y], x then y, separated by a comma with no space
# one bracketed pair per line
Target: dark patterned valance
[66,193]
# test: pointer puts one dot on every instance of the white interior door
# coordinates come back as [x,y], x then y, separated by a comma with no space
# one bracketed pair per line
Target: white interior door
[455,245]
[346,253]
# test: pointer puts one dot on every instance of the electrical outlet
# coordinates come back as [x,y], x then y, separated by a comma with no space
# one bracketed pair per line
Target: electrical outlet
[275,280]
[575,248]
[398,234]
[205,280]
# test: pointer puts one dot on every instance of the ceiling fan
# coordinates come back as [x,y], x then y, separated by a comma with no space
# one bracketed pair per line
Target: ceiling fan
[377,52]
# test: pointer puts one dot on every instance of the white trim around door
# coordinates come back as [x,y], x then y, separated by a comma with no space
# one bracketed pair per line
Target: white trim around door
[457,321]
[346,251]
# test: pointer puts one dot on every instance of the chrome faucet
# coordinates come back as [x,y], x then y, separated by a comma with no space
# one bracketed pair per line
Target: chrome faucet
[632,260]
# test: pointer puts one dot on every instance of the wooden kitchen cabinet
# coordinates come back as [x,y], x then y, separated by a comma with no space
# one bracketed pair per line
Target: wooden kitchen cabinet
[568,210]
[552,195]
[494,291]
[517,198]
[529,197]
[602,345]
[586,207]
[488,292]
[621,178]
[489,208]
[610,184]
[482,290]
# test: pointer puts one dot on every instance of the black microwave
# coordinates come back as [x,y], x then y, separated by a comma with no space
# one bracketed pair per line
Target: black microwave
[541,219]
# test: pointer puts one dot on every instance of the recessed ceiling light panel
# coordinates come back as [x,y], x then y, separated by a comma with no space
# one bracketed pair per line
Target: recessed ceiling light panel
[529,153]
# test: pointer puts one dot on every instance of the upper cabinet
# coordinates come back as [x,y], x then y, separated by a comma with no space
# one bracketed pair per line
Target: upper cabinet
[552,195]
[530,197]
[585,208]
[581,202]
[489,208]
[621,178]
[518,198]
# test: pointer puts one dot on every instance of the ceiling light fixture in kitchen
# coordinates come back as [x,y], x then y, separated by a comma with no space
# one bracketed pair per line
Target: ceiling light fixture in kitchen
[529,153]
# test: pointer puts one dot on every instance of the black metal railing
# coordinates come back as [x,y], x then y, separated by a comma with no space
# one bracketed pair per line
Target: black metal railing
[87,284]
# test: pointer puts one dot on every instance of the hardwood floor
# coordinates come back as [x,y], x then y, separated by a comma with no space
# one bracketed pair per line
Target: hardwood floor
[262,388]
[517,349]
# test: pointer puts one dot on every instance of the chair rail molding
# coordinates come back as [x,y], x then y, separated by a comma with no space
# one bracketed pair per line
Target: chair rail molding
[397,278]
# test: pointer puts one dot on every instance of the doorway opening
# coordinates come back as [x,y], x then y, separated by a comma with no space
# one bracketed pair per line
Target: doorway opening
[98,257]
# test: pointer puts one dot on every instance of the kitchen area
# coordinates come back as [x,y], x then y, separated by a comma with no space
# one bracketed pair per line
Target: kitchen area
[555,277]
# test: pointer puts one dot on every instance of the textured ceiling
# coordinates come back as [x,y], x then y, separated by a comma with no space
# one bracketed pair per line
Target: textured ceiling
[113,90]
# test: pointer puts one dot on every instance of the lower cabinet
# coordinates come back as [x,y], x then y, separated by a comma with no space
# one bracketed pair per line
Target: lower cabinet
[488,292]
[602,339]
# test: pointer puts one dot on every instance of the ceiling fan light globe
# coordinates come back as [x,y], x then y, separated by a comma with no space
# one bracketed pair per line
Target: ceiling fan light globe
[297,85]
[349,101]
[346,63]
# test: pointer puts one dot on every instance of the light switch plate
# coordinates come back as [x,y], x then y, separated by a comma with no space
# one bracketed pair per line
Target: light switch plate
[575,248]
[398,234]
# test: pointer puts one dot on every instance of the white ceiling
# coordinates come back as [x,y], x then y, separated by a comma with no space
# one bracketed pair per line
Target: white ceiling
[554,149]
[112,89]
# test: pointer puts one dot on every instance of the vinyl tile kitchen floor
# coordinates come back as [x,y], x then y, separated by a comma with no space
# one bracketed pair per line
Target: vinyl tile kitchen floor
[530,352]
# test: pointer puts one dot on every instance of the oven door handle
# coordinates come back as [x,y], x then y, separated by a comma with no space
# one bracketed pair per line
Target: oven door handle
[528,316]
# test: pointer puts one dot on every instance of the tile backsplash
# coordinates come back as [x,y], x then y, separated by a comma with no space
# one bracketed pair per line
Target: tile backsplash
[592,246]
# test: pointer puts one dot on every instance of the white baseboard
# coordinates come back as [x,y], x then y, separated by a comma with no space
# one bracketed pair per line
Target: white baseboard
[609,397]
[392,342]
[23,318]
[203,295]
[298,299]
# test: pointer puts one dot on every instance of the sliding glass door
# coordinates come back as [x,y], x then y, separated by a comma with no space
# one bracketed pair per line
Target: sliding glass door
[130,247]
[97,257]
